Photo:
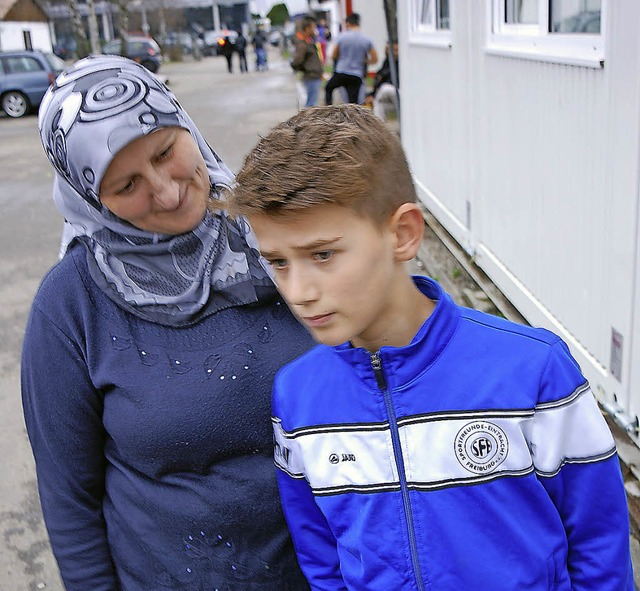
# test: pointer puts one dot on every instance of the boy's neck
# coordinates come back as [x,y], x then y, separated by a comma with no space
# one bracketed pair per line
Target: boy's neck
[409,309]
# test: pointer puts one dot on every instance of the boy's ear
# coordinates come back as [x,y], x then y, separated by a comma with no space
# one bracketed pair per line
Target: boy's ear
[408,225]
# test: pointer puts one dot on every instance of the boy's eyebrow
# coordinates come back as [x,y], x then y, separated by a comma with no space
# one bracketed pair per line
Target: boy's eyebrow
[310,246]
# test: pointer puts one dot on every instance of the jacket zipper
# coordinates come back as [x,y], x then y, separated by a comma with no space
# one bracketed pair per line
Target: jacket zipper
[376,364]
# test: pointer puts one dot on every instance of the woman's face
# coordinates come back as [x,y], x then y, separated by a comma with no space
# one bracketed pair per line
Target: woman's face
[158,182]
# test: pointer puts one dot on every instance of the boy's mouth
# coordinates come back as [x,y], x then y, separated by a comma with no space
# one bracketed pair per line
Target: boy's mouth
[317,321]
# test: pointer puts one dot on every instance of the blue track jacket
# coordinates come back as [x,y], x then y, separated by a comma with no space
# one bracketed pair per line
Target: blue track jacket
[473,459]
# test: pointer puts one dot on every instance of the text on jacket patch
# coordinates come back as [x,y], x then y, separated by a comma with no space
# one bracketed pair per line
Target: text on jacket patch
[481,446]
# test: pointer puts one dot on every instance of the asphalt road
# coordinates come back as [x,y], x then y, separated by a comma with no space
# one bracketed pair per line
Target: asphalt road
[231,110]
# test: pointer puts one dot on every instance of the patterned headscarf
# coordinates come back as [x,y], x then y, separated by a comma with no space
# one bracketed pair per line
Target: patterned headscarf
[92,111]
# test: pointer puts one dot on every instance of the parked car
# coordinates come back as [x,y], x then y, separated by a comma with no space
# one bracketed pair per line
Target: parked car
[24,78]
[214,41]
[181,39]
[143,50]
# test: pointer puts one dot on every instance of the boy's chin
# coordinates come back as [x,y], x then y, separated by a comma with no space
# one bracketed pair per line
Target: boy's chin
[325,339]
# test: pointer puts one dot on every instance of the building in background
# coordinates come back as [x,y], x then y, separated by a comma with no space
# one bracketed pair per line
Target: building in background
[521,123]
[157,18]
[24,25]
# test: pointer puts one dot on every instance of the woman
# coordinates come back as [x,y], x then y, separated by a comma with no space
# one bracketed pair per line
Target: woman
[150,351]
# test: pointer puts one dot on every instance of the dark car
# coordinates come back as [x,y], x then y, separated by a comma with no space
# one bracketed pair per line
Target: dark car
[143,50]
[214,41]
[24,78]
[180,40]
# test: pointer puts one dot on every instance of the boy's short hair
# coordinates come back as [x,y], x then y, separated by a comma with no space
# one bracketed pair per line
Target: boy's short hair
[354,19]
[341,154]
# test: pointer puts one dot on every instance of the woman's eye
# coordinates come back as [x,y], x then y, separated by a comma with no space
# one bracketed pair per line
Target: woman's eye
[165,153]
[126,189]
[323,255]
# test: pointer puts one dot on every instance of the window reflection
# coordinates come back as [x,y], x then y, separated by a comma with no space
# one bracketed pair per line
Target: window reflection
[521,12]
[435,14]
[575,16]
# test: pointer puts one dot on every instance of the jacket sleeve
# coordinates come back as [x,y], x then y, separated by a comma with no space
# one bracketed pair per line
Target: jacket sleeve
[63,416]
[575,459]
[299,56]
[313,540]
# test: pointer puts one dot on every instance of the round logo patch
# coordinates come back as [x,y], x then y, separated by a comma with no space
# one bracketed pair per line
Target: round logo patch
[481,447]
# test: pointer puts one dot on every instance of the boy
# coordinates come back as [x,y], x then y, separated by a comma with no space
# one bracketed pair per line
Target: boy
[422,445]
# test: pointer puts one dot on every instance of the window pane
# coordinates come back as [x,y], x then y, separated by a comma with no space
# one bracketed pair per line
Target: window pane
[575,16]
[426,13]
[22,64]
[521,12]
[443,15]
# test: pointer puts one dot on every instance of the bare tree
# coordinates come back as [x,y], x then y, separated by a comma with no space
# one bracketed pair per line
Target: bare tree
[94,36]
[82,43]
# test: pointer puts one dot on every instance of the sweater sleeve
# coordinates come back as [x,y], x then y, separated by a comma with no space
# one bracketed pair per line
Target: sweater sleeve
[312,537]
[574,455]
[63,415]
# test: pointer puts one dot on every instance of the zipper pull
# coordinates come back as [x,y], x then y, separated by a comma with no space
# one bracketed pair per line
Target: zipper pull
[376,364]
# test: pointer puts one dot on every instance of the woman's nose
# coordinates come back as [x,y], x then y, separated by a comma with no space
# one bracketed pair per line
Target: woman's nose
[166,193]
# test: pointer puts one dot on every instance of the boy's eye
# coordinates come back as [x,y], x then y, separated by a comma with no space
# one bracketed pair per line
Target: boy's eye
[278,263]
[323,255]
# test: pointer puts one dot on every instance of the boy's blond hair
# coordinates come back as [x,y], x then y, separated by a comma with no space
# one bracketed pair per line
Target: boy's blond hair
[341,154]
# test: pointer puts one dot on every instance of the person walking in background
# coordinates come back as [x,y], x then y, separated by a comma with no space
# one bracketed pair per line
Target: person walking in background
[228,50]
[324,36]
[306,59]
[241,49]
[384,96]
[150,351]
[259,43]
[352,53]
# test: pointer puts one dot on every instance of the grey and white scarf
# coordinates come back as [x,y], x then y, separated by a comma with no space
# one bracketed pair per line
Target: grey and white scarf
[92,111]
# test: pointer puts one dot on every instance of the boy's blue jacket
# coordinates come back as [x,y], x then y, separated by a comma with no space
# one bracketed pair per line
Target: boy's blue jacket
[473,459]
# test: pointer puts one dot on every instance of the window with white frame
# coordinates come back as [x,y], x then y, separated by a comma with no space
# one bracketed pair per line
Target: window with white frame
[566,31]
[433,15]
[431,22]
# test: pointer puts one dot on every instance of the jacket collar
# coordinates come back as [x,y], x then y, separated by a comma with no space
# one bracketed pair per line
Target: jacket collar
[403,364]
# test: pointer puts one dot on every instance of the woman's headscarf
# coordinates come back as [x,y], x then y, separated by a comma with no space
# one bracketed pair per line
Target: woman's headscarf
[91,112]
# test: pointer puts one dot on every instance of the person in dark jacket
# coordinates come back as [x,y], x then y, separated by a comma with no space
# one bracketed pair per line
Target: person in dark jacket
[228,49]
[306,59]
[241,47]
[383,98]
[150,351]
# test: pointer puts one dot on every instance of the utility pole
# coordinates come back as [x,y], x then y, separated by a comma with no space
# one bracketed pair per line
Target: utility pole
[216,15]
[94,36]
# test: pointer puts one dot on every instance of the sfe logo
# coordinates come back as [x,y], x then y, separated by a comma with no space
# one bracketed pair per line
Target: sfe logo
[481,447]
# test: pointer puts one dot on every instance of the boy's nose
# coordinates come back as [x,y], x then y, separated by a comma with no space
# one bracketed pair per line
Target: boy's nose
[299,287]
